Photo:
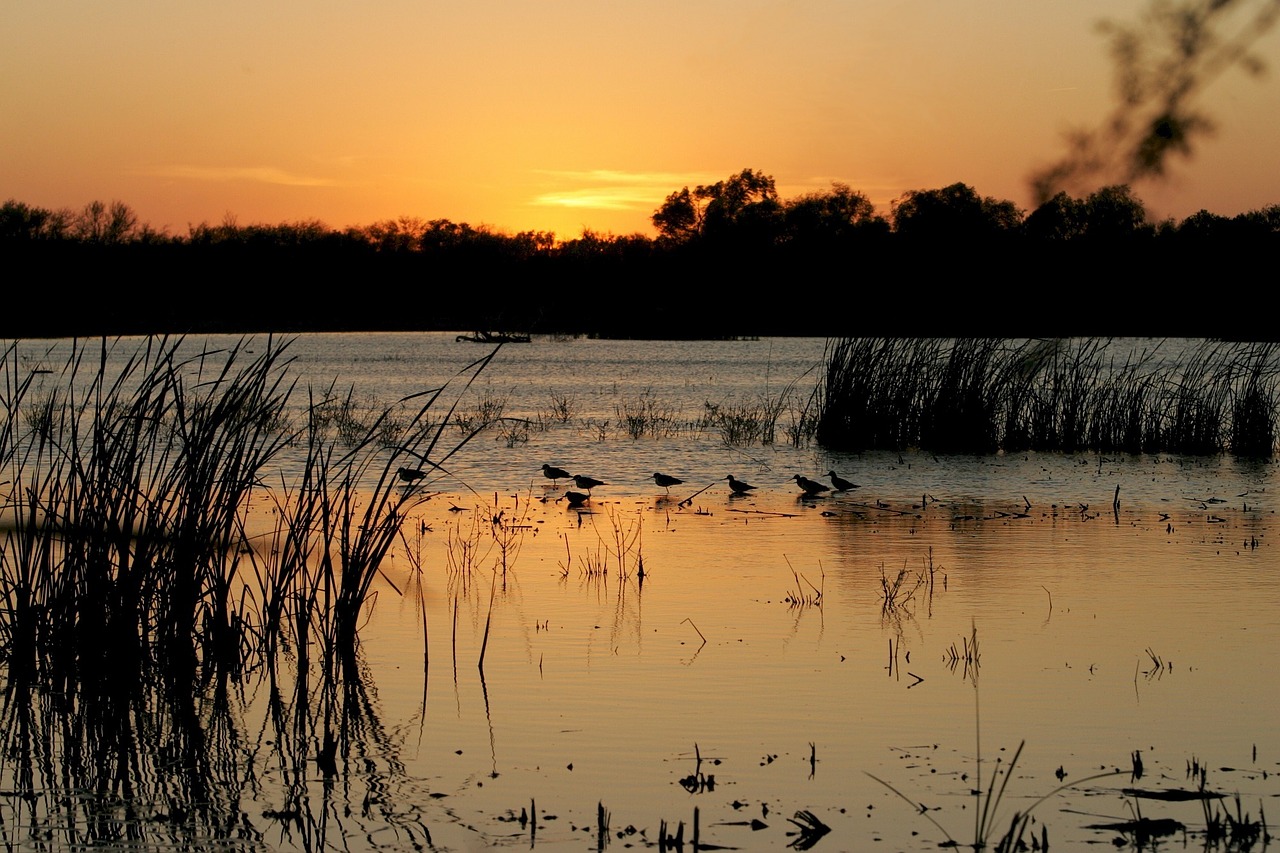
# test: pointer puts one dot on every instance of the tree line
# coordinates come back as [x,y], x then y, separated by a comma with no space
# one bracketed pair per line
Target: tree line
[728,258]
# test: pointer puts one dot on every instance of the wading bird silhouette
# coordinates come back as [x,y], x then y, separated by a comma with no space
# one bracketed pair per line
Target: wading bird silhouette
[587,483]
[410,475]
[555,475]
[737,486]
[840,483]
[574,499]
[812,488]
[666,481]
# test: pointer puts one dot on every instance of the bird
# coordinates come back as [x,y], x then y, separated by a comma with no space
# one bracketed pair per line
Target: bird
[555,475]
[588,483]
[812,488]
[840,483]
[575,499]
[666,480]
[737,486]
[410,475]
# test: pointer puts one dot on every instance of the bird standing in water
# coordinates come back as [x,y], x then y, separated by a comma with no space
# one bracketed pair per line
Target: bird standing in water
[666,481]
[738,487]
[409,475]
[555,475]
[575,499]
[812,488]
[840,483]
[587,483]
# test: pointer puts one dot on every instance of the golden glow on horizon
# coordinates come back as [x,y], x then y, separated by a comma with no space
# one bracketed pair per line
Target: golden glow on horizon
[559,118]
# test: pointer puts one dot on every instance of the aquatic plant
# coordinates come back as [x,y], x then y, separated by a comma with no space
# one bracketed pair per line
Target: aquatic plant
[1255,401]
[133,542]
[897,592]
[487,409]
[562,407]
[988,817]
[982,395]
[644,415]
[805,593]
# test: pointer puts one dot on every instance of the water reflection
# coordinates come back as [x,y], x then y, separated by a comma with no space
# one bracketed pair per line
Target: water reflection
[133,758]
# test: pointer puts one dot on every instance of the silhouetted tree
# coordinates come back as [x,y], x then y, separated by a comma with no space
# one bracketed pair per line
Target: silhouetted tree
[744,209]
[953,213]
[109,224]
[1205,226]
[1264,222]
[19,221]
[1059,220]
[679,219]
[1115,213]
[393,235]
[831,216]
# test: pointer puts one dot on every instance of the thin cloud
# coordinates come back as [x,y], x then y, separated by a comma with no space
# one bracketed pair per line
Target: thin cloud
[247,174]
[599,198]
[613,190]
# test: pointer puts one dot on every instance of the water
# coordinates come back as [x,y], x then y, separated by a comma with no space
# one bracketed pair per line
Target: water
[720,683]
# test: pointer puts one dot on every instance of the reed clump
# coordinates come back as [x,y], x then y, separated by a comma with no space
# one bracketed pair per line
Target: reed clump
[984,395]
[485,410]
[645,415]
[131,543]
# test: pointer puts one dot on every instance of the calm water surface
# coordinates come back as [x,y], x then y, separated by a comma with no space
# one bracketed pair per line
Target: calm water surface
[664,660]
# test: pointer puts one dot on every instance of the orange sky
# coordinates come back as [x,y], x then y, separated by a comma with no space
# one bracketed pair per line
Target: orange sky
[567,115]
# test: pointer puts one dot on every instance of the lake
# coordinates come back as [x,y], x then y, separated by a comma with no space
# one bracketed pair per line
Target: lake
[690,663]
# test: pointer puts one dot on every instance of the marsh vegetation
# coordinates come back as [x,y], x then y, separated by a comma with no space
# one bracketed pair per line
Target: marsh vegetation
[988,395]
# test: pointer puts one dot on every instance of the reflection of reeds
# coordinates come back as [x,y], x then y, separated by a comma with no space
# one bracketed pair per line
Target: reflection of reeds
[978,395]
[508,533]
[987,812]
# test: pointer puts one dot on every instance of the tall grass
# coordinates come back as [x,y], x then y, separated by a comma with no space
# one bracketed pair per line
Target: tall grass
[984,395]
[131,539]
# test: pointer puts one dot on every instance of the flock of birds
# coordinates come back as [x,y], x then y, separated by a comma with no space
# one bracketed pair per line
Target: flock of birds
[808,488]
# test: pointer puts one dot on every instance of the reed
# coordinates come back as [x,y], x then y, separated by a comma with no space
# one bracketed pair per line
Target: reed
[644,415]
[357,418]
[963,395]
[487,409]
[803,420]
[562,407]
[739,425]
[133,544]
[897,592]
[983,395]
[623,540]
[514,431]
[1255,400]
[805,593]
[508,531]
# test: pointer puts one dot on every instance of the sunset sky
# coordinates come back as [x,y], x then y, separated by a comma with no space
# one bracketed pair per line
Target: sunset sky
[560,116]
